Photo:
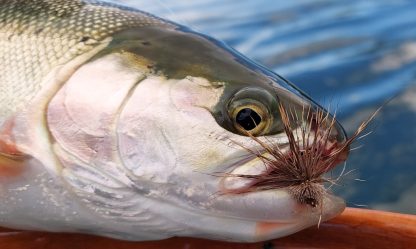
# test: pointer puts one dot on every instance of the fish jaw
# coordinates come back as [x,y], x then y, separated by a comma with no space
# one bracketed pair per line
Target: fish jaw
[250,217]
[332,206]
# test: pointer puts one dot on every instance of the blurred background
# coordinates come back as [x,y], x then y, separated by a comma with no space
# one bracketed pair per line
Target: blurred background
[351,54]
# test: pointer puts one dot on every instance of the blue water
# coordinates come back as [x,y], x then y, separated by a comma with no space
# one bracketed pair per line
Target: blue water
[354,55]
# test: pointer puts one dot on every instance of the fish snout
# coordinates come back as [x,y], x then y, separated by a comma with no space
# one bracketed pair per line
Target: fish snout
[331,137]
[342,146]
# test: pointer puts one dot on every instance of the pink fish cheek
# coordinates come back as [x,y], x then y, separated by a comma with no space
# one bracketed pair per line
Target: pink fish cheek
[194,92]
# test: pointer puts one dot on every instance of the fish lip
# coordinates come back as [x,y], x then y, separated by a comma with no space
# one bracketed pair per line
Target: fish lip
[270,229]
[338,206]
[292,216]
[244,163]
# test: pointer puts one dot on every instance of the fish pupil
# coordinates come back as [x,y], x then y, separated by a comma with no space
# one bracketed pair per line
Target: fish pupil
[248,119]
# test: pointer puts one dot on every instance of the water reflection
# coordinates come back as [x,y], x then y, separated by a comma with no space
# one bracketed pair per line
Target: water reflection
[354,54]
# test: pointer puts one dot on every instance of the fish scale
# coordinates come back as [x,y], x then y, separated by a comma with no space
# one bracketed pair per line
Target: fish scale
[37,36]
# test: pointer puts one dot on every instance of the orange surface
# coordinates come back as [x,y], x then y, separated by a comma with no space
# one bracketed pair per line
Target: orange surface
[355,228]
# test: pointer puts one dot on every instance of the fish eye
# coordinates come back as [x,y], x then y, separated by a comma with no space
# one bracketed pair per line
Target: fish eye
[250,116]
[251,111]
[248,119]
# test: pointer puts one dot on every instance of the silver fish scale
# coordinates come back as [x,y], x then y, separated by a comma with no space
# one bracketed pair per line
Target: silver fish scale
[38,35]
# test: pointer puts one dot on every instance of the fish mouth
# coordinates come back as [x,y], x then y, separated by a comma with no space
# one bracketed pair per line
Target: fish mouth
[333,206]
[242,177]
[273,213]
[250,171]
[276,212]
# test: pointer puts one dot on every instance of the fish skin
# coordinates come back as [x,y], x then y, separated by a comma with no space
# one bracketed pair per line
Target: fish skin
[37,36]
[109,153]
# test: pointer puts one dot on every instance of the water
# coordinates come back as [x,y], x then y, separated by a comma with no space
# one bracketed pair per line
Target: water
[353,54]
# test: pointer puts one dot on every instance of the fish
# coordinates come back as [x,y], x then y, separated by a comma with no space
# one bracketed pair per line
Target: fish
[118,123]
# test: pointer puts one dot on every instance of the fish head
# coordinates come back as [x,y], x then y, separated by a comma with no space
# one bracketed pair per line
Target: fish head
[204,124]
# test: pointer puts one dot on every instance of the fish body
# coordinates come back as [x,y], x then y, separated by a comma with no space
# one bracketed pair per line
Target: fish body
[118,123]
